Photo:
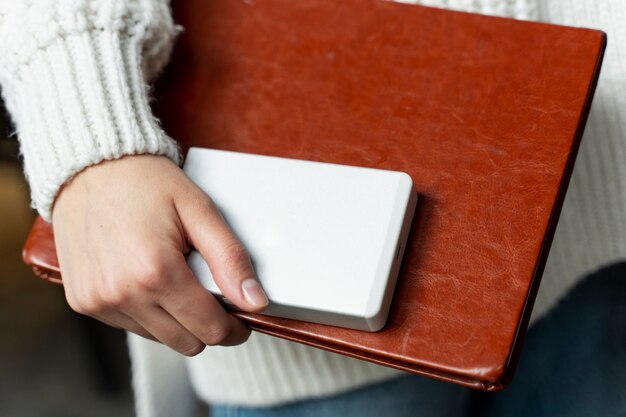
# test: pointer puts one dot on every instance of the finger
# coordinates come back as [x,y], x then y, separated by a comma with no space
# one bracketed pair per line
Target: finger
[122,321]
[200,312]
[101,312]
[167,330]
[226,256]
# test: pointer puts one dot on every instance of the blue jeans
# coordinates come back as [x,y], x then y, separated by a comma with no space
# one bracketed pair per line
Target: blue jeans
[573,365]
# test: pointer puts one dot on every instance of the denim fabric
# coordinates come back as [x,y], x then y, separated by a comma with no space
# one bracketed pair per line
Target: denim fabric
[574,361]
[407,396]
[573,365]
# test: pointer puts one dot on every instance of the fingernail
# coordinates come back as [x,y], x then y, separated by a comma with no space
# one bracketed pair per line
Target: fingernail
[254,293]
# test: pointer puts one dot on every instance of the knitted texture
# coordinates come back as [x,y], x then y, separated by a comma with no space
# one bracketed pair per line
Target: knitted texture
[265,371]
[72,78]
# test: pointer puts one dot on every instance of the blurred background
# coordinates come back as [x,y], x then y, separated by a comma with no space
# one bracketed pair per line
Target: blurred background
[53,362]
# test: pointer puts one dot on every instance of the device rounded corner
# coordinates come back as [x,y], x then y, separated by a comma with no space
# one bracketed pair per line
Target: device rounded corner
[194,148]
[376,318]
[405,180]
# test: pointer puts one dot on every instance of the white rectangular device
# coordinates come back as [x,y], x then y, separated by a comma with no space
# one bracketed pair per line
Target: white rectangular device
[326,240]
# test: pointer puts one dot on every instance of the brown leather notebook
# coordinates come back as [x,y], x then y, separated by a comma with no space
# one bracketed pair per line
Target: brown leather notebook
[484,113]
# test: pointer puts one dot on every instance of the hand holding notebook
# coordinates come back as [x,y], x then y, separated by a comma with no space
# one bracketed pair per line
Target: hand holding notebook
[485,115]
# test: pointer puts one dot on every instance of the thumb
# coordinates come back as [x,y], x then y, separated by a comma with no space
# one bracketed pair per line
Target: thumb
[228,259]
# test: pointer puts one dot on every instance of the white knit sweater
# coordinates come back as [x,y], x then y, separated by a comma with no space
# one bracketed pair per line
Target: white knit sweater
[73,77]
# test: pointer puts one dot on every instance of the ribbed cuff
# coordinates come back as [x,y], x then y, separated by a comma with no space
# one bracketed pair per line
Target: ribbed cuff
[80,101]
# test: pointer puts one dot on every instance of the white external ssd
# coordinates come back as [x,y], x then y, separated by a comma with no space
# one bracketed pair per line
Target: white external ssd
[326,240]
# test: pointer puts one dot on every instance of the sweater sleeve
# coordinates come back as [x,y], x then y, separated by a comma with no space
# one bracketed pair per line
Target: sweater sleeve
[73,76]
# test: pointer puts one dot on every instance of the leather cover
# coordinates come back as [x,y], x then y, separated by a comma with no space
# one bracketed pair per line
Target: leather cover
[484,113]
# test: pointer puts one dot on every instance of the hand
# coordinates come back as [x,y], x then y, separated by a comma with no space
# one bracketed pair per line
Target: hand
[121,231]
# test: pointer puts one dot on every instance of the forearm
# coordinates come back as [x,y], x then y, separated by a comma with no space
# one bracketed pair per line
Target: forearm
[73,79]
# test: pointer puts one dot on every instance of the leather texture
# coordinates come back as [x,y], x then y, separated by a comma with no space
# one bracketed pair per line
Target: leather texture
[484,113]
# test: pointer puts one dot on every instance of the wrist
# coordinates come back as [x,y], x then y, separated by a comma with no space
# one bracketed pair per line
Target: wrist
[106,176]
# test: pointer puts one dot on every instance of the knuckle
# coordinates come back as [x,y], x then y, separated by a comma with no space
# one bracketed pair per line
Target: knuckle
[114,296]
[234,255]
[216,335]
[93,305]
[74,304]
[152,277]
[87,305]
[208,202]
[192,350]
[111,293]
